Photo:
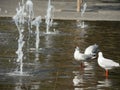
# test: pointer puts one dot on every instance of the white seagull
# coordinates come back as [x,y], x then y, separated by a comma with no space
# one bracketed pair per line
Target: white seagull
[81,56]
[92,50]
[106,63]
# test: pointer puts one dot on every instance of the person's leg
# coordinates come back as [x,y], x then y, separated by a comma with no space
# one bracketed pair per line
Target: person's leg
[79,2]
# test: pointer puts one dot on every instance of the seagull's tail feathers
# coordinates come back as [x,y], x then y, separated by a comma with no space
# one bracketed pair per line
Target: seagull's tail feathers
[116,64]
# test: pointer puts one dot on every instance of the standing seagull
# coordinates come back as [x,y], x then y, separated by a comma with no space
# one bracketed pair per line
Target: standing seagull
[81,56]
[92,50]
[106,63]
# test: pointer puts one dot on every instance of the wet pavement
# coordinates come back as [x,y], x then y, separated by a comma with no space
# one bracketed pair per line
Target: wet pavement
[54,67]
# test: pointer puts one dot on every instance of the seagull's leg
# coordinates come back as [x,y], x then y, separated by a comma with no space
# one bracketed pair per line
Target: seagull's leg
[106,74]
[82,65]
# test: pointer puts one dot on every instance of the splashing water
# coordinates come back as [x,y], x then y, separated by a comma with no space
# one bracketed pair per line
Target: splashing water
[24,13]
[30,13]
[36,23]
[19,20]
[81,23]
[30,16]
[49,16]
[83,9]
[29,9]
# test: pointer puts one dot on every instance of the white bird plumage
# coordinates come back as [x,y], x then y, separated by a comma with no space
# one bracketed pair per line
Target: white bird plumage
[92,50]
[81,56]
[106,63]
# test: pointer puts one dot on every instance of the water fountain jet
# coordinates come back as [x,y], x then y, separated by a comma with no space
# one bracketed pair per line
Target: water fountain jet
[79,22]
[49,18]
[19,19]
[36,23]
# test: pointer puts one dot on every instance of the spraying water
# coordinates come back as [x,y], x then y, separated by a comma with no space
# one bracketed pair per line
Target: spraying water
[24,13]
[19,19]
[83,9]
[30,13]
[49,17]
[81,23]
[29,9]
[30,16]
[36,23]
